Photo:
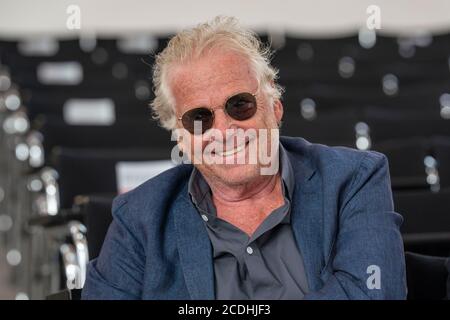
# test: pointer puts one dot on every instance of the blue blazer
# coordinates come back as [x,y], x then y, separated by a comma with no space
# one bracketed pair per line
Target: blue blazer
[157,246]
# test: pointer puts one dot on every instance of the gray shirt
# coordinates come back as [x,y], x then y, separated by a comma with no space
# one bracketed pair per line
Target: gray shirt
[267,265]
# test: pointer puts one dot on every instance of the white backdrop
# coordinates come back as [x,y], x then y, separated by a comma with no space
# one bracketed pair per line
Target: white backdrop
[316,17]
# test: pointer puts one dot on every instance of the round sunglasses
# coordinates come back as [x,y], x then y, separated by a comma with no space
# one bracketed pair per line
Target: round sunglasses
[241,106]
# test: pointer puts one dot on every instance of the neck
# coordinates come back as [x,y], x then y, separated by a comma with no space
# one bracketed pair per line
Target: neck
[247,206]
[248,192]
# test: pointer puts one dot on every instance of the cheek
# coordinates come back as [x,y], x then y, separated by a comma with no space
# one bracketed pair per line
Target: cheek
[196,146]
[187,142]
[267,119]
[267,115]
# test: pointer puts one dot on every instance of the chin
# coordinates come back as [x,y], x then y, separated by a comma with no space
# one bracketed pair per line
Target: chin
[234,174]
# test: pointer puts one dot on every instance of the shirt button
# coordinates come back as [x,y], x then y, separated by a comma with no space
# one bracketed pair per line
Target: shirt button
[249,250]
[205,218]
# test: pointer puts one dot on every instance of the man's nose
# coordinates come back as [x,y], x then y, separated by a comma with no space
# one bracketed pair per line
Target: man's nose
[222,121]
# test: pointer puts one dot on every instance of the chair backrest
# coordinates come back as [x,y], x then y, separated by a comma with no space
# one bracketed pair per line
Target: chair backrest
[87,171]
[97,216]
[66,294]
[426,276]
[127,133]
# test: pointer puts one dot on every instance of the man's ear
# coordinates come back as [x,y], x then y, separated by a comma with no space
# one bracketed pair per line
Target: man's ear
[278,110]
[277,107]
[180,142]
[177,136]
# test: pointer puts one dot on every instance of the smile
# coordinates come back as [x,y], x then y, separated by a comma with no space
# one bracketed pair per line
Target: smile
[232,151]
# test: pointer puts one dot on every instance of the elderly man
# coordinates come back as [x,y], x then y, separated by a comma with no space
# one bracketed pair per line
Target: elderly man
[290,220]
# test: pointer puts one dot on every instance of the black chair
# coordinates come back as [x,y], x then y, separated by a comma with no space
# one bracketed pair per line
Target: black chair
[302,51]
[125,106]
[335,128]
[351,72]
[427,277]
[81,172]
[400,124]
[441,147]
[95,210]
[426,226]
[406,162]
[105,52]
[66,294]
[126,133]
[87,171]
[333,94]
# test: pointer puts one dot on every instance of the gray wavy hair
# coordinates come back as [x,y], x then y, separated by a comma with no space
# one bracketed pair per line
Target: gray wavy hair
[191,43]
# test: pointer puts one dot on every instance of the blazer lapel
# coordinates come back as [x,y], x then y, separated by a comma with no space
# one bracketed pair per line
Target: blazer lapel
[195,249]
[306,218]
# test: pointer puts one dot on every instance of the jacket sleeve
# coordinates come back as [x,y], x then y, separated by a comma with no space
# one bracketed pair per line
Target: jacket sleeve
[367,259]
[117,273]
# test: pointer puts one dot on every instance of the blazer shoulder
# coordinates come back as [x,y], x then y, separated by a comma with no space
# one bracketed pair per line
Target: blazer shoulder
[350,170]
[333,160]
[164,182]
[346,157]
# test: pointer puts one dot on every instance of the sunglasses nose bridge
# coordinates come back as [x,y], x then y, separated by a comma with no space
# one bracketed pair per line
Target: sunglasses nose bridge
[221,119]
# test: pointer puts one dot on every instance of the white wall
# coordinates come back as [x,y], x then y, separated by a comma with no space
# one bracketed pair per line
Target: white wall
[317,17]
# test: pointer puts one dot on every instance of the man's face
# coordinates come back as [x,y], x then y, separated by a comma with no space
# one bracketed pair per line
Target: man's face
[208,82]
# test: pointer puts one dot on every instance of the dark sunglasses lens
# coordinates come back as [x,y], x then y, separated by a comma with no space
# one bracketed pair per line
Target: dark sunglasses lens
[201,115]
[241,106]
